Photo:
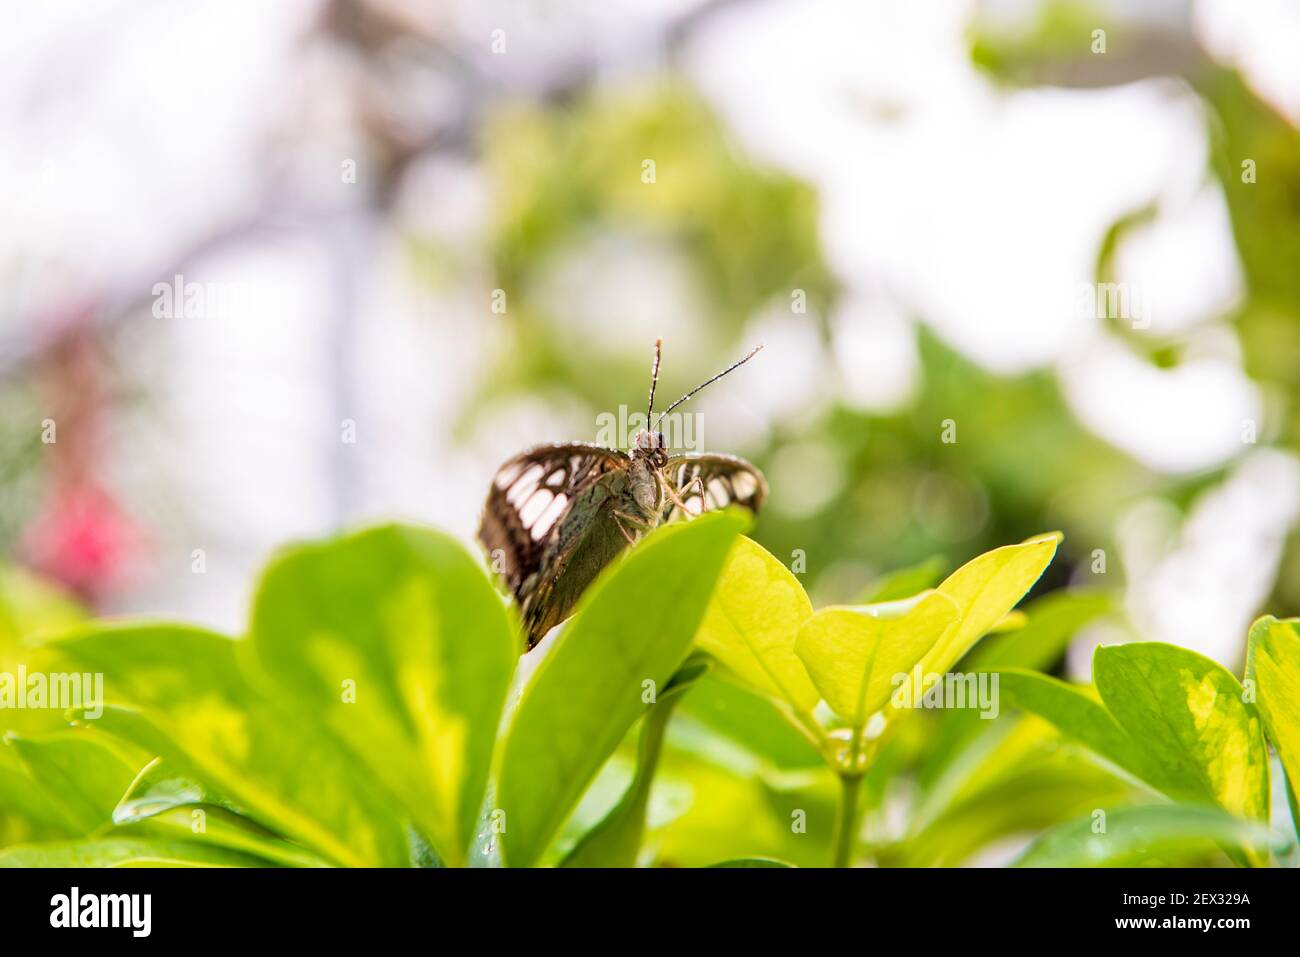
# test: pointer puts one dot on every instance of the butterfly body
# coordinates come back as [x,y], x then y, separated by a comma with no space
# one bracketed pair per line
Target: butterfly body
[587,541]
[558,514]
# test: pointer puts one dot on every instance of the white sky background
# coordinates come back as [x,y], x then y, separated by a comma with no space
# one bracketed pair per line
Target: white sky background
[943,197]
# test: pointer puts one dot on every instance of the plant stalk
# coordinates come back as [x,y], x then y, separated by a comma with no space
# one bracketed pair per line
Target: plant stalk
[846,821]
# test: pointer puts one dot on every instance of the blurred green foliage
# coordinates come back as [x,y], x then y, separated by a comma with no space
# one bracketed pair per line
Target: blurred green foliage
[1265,213]
[750,237]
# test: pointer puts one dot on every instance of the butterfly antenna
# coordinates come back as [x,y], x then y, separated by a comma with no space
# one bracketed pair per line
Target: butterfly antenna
[736,365]
[654,381]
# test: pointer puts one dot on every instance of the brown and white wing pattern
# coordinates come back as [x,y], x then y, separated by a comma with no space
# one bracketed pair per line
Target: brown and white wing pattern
[707,481]
[531,496]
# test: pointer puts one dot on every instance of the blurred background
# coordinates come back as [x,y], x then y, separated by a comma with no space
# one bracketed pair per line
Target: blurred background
[270,270]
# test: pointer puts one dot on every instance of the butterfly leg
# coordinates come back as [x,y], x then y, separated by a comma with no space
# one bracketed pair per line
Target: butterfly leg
[698,483]
[673,495]
[618,517]
[679,501]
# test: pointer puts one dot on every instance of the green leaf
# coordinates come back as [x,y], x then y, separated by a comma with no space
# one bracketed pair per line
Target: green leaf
[985,589]
[159,788]
[1158,833]
[1273,662]
[125,852]
[1010,622]
[634,625]
[201,716]
[26,809]
[854,654]
[1076,712]
[752,622]
[30,611]
[31,608]
[752,862]
[752,721]
[221,828]
[1188,716]
[175,806]
[1025,780]
[729,811]
[615,841]
[405,619]
[905,582]
[1053,620]
[83,778]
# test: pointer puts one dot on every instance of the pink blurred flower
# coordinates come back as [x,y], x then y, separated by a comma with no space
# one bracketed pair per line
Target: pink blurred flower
[82,539]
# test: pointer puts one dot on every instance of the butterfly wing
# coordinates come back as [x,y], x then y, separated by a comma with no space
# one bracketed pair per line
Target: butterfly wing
[710,480]
[549,529]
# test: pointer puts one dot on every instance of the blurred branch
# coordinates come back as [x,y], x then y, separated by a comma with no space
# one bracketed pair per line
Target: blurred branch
[371,31]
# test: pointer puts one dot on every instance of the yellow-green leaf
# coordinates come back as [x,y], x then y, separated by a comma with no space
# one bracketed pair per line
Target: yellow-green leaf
[198,711]
[751,625]
[1187,715]
[30,608]
[854,654]
[986,589]
[82,777]
[395,639]
[1273,662]
[126,852]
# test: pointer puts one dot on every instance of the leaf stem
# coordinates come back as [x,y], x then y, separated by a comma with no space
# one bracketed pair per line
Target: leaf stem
[846,821]
[816,734]
[616,840]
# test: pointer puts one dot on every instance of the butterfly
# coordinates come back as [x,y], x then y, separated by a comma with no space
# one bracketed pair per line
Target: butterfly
[557,514]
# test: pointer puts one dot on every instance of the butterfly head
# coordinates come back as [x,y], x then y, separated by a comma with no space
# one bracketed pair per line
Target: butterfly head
[652,434]
[652,447]
[649,445]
